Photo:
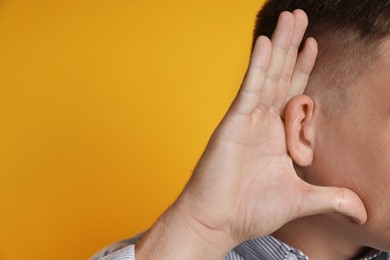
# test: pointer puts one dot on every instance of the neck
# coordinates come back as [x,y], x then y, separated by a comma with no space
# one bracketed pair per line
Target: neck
[319,241]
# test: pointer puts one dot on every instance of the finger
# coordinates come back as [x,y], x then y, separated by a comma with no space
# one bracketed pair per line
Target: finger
[319,200]
[303,68]
[281,41]
[301,22]
[249,94]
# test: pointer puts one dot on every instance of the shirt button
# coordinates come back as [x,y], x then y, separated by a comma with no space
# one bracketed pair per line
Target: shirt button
[291,256]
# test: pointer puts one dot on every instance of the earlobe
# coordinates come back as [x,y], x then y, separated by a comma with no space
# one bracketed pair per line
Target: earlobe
[300,127]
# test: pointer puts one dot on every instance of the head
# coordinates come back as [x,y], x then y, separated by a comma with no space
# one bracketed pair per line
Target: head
[344,138]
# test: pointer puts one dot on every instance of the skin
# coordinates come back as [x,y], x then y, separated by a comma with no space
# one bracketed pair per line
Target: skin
[246,168]
[351,150]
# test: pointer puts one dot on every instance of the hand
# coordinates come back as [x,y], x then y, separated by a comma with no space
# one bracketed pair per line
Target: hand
[244,185]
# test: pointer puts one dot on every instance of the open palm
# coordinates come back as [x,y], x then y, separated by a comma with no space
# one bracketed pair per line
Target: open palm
[245,173]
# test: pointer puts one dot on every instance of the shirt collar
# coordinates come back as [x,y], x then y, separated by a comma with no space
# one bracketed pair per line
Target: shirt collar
[268,247]
[373,254]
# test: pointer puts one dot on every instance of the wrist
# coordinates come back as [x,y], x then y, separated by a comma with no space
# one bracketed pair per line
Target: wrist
[176,235]
[217,240]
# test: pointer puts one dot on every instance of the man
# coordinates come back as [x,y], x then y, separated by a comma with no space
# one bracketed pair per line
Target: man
[287,175]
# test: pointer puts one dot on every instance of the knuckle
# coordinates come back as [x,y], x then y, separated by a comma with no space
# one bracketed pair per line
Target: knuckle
[340,199]
[282,48]
[258,67]
[255,92]
[273,78]
[305,72]
[286,77]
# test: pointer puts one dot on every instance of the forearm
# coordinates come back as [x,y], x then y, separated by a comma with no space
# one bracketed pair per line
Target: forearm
[178,236]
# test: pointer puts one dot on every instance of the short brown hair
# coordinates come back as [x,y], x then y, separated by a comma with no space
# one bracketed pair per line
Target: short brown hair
[349,35]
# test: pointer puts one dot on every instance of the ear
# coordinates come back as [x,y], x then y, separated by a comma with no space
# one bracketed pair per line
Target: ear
[300,134]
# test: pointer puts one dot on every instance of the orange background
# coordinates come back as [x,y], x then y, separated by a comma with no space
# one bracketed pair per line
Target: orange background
[105,108]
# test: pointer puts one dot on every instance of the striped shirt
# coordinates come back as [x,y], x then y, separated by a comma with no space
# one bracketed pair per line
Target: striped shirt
[263,248]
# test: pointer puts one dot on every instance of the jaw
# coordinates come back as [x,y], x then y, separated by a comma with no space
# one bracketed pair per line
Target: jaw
[322,237]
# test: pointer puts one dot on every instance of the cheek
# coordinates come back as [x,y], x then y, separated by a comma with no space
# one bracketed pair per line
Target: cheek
[360,162]
[375,189]
[372,168]
[337,160]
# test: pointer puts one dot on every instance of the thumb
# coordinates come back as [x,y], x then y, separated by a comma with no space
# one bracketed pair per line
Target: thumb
[318,199]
